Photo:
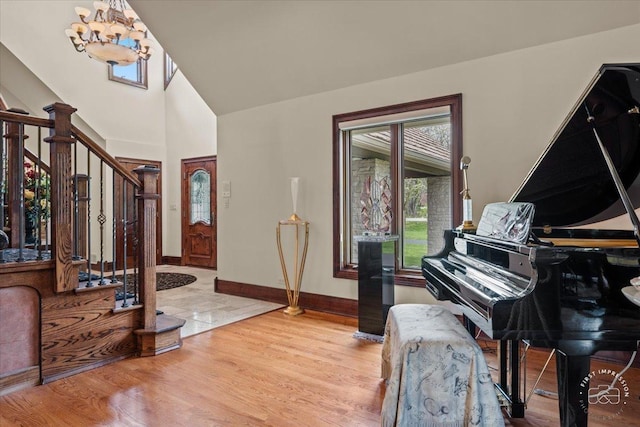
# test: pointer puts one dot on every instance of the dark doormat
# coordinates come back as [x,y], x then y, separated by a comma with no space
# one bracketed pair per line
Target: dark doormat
[164,281]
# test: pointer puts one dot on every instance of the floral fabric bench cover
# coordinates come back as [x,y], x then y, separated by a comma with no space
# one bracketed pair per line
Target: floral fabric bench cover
[436,373]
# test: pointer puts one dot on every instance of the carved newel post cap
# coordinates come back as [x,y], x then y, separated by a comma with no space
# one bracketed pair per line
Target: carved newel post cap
[146,168]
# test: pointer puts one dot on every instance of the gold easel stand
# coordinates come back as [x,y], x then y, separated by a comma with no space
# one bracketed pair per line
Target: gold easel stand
[298,267]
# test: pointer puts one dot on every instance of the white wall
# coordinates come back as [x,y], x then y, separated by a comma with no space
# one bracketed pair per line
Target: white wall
[190,132]
[512,105]
[31,93]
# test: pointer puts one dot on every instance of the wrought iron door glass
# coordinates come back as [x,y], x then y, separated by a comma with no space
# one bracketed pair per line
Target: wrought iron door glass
[200,197]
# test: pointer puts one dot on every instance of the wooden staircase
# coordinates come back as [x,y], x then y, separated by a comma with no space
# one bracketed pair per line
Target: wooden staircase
[54,324]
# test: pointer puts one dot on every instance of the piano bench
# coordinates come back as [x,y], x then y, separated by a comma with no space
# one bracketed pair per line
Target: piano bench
[435,371]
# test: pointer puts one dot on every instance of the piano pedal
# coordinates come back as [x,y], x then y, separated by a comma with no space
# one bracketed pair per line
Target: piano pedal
[545,393]
[503,399]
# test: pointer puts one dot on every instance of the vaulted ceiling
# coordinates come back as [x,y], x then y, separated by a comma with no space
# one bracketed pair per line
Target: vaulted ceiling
[242,54]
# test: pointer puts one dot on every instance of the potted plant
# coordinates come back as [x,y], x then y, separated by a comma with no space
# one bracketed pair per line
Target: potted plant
[37,206]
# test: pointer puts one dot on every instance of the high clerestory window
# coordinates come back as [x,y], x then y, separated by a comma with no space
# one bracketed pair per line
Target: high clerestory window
[396,171]
[134,74]
[170,69]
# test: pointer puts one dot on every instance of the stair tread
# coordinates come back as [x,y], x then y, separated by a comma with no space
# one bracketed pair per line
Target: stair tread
[164,323]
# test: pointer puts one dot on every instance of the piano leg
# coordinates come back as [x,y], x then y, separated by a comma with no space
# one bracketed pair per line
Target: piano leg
[509,385]
[571,370]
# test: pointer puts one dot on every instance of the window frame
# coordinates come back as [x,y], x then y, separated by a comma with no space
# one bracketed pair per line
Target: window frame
[341,151]
[142,75]
[142,79]
[170,68]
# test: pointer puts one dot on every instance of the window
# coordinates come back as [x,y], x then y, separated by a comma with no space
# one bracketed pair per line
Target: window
[395,170]
[134,74]
[170,69]
[200,197]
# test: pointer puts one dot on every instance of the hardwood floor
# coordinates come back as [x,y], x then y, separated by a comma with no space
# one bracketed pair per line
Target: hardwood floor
[268,370]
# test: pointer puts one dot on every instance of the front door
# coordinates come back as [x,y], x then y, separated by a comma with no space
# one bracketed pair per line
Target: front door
[199,226]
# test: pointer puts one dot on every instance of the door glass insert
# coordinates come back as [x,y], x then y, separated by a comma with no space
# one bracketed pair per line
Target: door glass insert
[200,197]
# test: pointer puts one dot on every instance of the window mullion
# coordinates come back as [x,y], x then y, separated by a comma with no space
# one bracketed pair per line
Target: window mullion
[396,188]
[346,199]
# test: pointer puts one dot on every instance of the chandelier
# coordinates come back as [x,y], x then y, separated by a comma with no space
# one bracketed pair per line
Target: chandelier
[115,35]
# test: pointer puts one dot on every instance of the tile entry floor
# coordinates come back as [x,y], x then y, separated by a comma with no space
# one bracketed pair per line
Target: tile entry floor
[201,307]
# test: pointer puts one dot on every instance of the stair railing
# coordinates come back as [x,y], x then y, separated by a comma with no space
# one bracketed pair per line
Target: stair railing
[78,189]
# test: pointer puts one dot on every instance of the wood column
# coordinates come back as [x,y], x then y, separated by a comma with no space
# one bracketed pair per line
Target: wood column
[160,334]
[60,141]
[147,212]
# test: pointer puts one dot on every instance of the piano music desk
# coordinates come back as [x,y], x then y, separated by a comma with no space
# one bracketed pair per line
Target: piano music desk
[436,373]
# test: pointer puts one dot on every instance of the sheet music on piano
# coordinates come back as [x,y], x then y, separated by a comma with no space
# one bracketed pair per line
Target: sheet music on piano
[507,221]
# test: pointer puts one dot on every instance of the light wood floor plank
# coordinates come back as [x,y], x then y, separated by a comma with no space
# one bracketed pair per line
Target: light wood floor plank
[270,370]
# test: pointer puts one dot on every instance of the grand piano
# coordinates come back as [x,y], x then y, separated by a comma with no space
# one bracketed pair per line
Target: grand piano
[536,270]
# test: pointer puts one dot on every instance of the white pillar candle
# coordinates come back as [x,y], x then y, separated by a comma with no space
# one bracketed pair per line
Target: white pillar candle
[294,193]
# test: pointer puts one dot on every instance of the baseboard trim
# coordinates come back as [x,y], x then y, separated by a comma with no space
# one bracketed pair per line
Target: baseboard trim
[172,260]
[46,379]
[18,380]
[324,303]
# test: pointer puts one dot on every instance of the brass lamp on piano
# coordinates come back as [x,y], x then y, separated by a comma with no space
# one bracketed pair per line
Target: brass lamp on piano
[536,270]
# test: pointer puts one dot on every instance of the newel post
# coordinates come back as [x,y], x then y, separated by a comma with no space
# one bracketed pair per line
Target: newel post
[60,141]
[147,212]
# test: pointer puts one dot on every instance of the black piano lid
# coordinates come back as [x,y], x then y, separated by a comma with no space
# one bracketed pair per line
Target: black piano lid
[570,184]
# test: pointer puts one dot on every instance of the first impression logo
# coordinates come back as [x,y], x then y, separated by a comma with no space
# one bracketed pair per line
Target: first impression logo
[604,393]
